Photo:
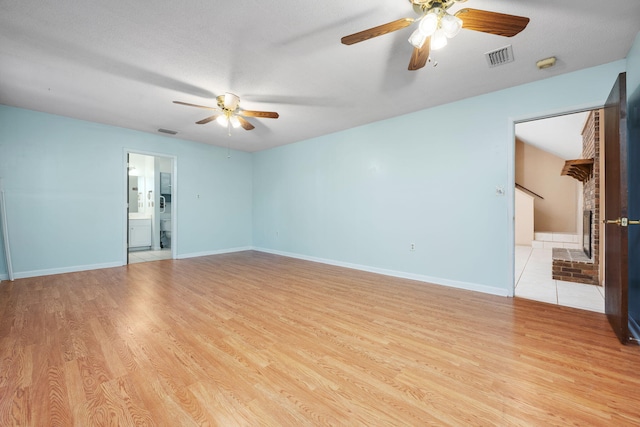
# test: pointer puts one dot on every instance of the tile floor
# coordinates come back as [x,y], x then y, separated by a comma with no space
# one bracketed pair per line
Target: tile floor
[533,281]
[146,256]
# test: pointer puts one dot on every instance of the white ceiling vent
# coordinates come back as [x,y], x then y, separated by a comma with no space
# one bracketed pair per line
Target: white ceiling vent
[500,56]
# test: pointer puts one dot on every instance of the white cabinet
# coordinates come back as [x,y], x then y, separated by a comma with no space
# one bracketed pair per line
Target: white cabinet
[139,233]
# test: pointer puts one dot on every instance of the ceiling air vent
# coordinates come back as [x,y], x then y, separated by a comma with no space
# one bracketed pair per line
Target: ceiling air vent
[500,56]
[170,132]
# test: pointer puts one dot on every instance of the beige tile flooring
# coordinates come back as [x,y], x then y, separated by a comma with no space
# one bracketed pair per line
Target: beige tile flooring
[146,256]
[533,281]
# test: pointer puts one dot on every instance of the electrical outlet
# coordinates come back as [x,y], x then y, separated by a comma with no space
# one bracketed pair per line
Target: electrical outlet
[412,247]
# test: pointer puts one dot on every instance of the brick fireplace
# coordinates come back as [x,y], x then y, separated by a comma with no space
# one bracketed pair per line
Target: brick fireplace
[577,265]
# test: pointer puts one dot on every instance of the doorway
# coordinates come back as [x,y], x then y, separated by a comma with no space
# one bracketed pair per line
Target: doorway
[151,207]
[553,257]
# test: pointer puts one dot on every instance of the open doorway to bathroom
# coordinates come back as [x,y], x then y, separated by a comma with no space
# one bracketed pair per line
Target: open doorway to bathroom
[558,195]
[151,209]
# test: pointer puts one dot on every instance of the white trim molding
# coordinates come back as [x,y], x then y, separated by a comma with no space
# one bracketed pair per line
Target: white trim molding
[393,273]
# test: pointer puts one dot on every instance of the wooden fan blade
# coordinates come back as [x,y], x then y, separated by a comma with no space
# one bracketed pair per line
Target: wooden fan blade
[492,22]
[208,119]
[244,123]
[420,56]
[377,31]
[194,105]
[261,114]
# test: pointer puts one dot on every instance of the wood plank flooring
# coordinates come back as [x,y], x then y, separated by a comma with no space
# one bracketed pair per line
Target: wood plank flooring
[256,339]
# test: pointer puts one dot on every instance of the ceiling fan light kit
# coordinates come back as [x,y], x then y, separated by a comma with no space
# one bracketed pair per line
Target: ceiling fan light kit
[429,23]
[228,103]
[229,114]
[417,38]
[438,40]
[225,121]
[451,25]
[436,25]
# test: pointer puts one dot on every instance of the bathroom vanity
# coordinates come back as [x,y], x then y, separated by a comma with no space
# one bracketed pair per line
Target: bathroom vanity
[139,233]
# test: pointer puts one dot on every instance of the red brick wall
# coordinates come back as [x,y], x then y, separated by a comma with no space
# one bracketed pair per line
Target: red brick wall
[591,188]
[583,271]
[575,271]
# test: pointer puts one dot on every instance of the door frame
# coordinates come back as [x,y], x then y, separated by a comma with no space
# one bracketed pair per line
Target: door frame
[174,200]
[511,177]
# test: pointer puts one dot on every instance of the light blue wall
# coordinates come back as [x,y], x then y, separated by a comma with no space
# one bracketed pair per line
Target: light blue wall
[362,196]
[65,192]
[356,198]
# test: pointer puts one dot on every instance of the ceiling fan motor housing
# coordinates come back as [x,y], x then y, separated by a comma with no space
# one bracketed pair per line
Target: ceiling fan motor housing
[228,102]
[422,6]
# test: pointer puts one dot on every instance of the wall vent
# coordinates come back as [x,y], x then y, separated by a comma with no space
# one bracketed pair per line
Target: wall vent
[500,56]
[170,132]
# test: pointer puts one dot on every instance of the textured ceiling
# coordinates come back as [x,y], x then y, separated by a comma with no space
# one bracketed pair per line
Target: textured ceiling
[122,63]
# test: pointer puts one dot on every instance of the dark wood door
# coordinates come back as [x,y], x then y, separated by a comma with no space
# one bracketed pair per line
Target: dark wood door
[616,299]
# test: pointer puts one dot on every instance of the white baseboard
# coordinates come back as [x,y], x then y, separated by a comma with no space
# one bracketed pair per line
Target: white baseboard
[217,252]
[73,269]
[393,273]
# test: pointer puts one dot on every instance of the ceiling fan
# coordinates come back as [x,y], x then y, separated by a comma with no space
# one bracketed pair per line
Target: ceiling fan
[229,114]
[436,25]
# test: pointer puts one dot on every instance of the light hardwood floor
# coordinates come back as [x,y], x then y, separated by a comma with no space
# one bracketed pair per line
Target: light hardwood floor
[257,339]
